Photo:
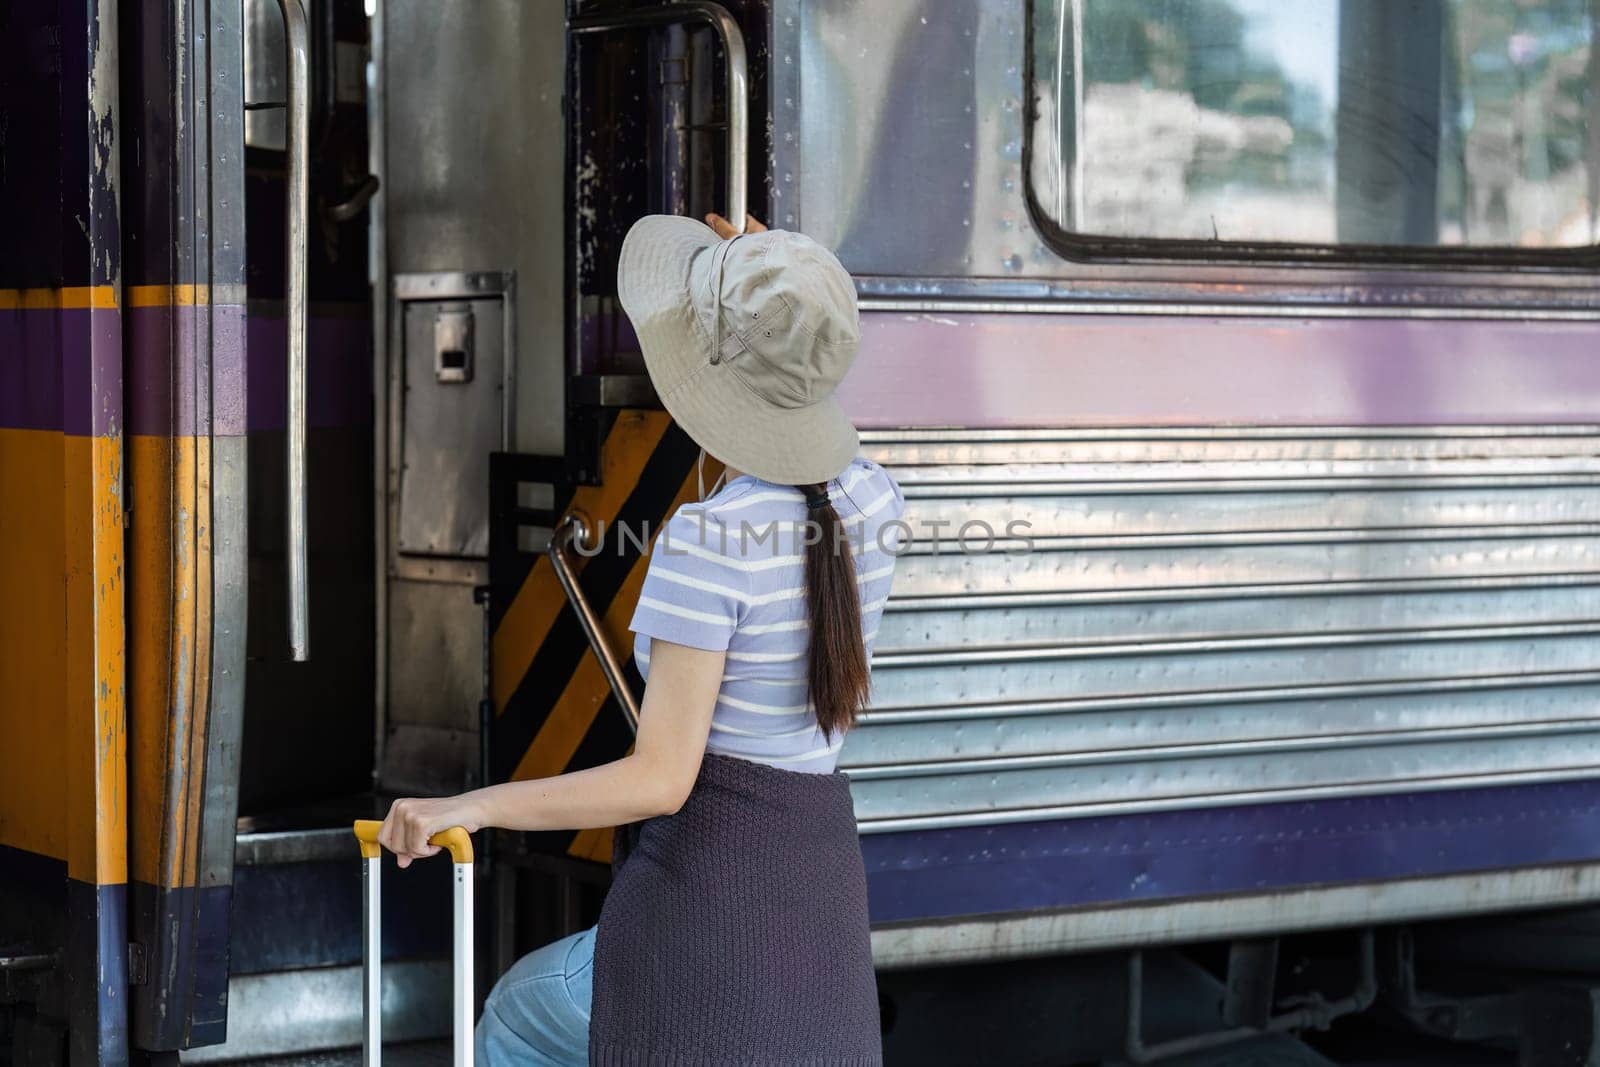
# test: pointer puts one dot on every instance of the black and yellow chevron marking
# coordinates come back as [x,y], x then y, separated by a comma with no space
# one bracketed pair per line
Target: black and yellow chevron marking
[554,710]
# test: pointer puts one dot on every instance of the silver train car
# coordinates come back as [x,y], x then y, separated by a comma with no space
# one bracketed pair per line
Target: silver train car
[1238,361]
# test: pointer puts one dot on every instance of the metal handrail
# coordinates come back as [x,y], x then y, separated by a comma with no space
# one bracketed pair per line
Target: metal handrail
[297,145]
[573,529]
[738,168]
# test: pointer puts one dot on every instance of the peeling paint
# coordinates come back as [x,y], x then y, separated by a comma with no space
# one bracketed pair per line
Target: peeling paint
[588,185]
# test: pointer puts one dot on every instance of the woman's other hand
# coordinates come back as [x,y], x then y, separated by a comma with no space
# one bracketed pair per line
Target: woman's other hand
[725,228]
[412,820]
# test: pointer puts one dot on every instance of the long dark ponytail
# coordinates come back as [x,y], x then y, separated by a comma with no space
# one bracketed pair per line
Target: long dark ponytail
[836,667]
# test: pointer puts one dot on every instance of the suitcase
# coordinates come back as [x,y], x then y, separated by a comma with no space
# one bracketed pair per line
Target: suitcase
[459,845]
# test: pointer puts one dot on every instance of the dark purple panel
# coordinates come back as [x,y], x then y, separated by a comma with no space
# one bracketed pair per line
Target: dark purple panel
[1108,860]
[92,403]
[61,369]
[338,371]
[30,369]
[1001,370]
[155,406]
[164,394]
[153,165]
[58,223]
[31,113]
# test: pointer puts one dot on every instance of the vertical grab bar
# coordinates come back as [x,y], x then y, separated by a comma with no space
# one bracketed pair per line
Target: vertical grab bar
[297,142]
[572,529]
[738,82]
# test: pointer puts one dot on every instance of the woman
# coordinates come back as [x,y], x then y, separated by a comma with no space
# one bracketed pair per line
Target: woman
[735,929]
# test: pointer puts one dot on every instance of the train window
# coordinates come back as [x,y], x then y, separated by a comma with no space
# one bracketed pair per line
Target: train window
[1417,125]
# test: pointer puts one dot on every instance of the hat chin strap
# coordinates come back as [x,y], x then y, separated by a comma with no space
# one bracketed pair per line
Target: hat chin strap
[716,357]
[700,475]
[716,305]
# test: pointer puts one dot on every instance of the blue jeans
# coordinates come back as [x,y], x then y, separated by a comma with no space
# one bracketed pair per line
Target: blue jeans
[538,1012]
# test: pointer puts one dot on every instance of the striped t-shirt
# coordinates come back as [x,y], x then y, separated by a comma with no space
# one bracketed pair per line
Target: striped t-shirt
[729,574]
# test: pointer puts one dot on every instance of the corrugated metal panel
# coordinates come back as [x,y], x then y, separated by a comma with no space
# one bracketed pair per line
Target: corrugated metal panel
[1203,617]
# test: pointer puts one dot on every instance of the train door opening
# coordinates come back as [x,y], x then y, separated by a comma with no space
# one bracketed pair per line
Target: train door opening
[436,336]
[307,734]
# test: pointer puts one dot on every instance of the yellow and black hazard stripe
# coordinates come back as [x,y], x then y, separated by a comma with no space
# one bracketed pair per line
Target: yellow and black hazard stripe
[554,711]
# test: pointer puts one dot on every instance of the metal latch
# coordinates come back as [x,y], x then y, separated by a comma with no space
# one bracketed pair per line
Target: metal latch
[452,341]
[136,963]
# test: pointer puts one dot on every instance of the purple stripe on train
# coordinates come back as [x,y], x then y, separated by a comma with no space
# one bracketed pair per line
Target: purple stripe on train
[338,372]
[60,369]
[1014,370]
[166,396]
[248,387]
[1123,859]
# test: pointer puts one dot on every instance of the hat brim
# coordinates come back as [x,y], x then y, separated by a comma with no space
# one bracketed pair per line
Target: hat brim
[711,402]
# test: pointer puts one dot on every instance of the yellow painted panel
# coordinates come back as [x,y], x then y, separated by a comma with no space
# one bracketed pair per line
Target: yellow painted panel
[33,653]
[193,672]
[564,728]
[526,623]
[592,845]
[96,741]
[104,296]
[143,296]
[169,648]
[151,473]
[569,721]
[72,296]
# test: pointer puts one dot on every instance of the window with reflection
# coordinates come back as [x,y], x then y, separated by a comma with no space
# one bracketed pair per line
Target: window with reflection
[1416,123]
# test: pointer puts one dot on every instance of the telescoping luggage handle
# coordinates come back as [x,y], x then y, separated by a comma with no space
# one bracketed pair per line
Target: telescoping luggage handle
[459,843]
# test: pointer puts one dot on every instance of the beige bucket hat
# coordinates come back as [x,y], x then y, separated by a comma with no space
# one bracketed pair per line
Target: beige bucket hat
[745,341]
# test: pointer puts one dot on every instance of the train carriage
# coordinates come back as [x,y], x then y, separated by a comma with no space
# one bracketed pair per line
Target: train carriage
[1237,360]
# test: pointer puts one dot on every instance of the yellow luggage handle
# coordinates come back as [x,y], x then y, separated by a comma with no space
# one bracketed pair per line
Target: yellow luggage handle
[456,839]
[459,843]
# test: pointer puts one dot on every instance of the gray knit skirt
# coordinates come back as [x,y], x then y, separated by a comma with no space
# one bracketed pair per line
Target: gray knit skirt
[735,930]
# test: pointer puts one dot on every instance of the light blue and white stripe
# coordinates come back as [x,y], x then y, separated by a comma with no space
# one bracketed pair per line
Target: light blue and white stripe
[728,575]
